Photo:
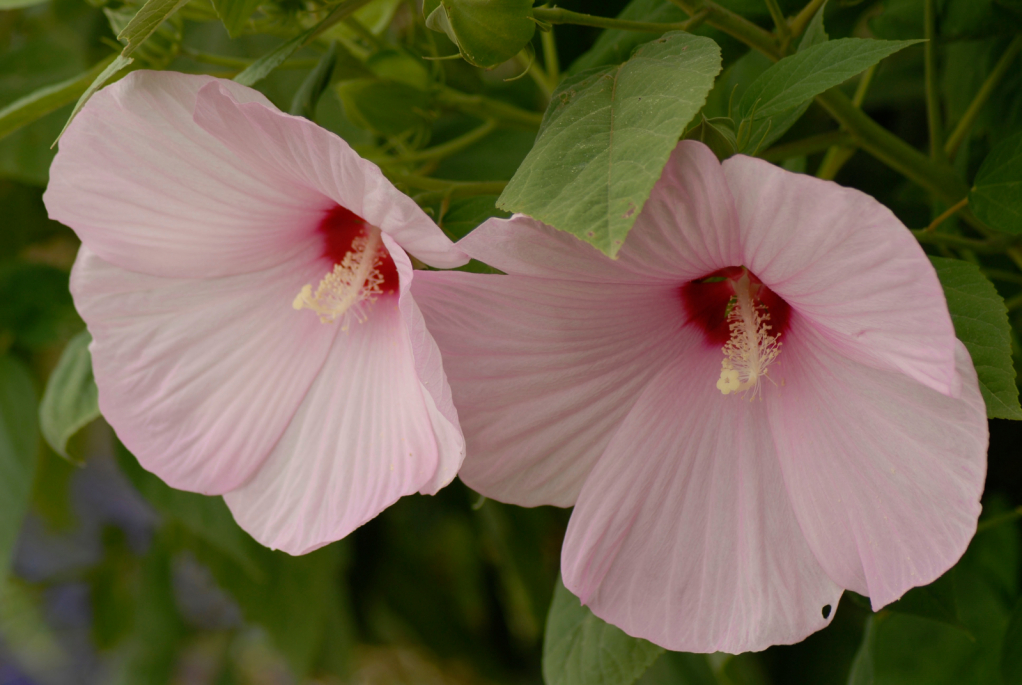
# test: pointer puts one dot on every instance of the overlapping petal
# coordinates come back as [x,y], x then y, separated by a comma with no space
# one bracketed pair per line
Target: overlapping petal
[684,533]
[298,154]
[542,371]
[150,191]
[199,377]
[844,260]
[884,473]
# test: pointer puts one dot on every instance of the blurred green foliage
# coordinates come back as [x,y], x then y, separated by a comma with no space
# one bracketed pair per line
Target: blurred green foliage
[119,579]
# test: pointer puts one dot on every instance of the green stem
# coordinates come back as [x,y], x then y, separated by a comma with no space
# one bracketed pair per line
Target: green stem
[801,20]
[951,240]
[933,118]
[732,24]
[838,156]
[947,214]
[1001,275]
[451,187]
[338,14]
[783,30]
[995,521]
[557,15]
[806,146]
[957,136]
[239,63]
[487,108]
[550,60]
[450,147]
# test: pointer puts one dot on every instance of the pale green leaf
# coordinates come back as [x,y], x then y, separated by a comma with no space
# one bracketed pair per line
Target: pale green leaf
[234,13]
[19,4]
[797,79]
[262,67]
[981,322]
[581,649]
[19,448]
[996,198]
[71,399]
[119,63]
[606,137]
[145,21]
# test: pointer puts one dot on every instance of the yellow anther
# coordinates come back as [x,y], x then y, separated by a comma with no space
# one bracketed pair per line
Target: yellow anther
[351,287]
[751,348]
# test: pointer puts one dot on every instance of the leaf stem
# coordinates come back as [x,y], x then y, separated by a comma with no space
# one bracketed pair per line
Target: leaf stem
[839,155]
[558,15]
[995,521]
[806,146]
[450,187]
[732,24]
[550,60]
[933,117]
[968,119]
[947,214]
[239,63]
[450,147]
[952,240]
[801,20]
[1002,275]
[781,24]
[488,108]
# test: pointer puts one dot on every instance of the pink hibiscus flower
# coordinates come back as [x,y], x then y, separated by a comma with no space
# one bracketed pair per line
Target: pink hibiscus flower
[759,403]
[207,218]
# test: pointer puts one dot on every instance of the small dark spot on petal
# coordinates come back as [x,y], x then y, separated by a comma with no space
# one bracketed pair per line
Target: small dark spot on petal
[826,611]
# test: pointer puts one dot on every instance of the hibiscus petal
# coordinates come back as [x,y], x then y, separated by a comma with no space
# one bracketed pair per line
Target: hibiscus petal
[361,439]
[304,155]
[885,474]
[199,378]
[542,372]
[687,229]
[683,533]
[148,190]
[844,260]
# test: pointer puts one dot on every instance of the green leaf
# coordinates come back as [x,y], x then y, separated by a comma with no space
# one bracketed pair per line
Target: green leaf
[19,448]
[775,96]
[614,45]
[388,107]
[262,67]
[981,322]
[487,33]
[680,668]
[48,99]
[146,20]
[19,4]
[207,518]
[581,649]
[466,214]
[606,137]
[996,198]
[718,134]
[1011,651]
[234,13]
[937,601]
[119,63]
[37,307]
[71,399]
[307,97]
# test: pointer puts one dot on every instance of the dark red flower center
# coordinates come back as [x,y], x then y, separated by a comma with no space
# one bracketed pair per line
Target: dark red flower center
[706,301]
[341,228]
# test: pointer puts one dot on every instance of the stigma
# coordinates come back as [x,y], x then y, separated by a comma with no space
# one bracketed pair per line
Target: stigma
[752,346]
[348,291]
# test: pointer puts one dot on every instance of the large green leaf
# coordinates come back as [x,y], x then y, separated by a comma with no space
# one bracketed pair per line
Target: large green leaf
[19,448]
[606,137]
[581,649]
[71,399]
[146,20]
[981,322]
[911,650]
[777,94]
[487,33]
[996,197]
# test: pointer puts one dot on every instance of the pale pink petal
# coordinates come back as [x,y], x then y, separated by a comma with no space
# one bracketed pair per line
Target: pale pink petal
[200,378]
[148,190]
[843,260]
[430,371]
[542,371]
[683,533]
[303,155]
[884,473]
[361,439]
[687,229]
